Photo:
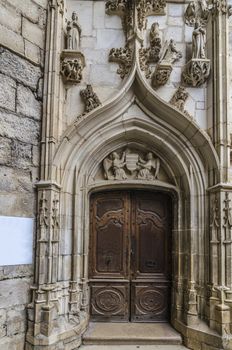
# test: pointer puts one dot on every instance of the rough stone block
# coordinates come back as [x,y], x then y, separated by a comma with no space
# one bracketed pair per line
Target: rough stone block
[16,322]
[42,3]
[33,33]
[19,128]
[32,52]
[7,92]
[15,180]
[21,154]
[14,292]
[17,204]
[19,68]
[5,151]
[27,103]
[11,40]
[16,343]
[2,323]
[28,8]
[10,18]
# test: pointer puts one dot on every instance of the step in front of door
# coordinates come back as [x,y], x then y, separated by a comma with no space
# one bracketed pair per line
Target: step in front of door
[131,333]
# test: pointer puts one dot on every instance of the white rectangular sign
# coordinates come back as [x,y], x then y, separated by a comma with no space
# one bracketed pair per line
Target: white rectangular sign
[16,240]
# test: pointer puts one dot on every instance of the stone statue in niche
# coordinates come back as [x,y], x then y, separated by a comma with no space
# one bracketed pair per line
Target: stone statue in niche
[197,70]
[73,33]
[131,165]
[146,166]
[198,41]
[72,60]
[116,164]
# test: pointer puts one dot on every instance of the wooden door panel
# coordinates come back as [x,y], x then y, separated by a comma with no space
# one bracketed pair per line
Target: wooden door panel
[149,302]
[109,237]
[110,301]
[130,256]
[151,230]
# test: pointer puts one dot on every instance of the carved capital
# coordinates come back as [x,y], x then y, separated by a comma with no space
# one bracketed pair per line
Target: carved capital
[196,72]
[72,65]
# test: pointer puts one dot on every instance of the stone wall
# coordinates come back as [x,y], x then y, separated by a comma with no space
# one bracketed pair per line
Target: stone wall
[22,41]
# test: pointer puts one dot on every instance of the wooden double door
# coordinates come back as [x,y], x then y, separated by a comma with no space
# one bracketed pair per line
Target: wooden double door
[130,256]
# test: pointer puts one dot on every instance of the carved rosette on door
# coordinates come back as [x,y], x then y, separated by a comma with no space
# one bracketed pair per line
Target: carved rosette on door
[130,260]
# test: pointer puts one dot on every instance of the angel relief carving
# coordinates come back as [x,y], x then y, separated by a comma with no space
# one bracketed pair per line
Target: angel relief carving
[131,165]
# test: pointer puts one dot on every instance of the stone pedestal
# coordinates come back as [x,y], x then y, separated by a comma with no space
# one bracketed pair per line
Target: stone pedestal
[72,65]
[196,72]
[161,74]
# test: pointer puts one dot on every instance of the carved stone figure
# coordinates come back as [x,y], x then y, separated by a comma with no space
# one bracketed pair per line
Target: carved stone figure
[146,166]
[179,98]
[155,42]
[73,33]
[116,164]
[164,68]
[190,13]
[72,65]
[199,41]
[90,98]
[170,53]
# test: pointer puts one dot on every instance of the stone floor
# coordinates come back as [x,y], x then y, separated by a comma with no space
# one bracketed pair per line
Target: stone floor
[131,336]
[133,347]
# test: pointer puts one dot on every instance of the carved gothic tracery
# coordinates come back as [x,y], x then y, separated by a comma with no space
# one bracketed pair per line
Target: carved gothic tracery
[197,11]
[131,164]
[122,56]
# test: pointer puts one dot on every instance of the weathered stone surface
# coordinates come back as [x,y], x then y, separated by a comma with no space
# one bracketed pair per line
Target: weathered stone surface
[15,180]
[16,271]
[16,322]
[14,292]
[33,33]
[19,128]
[27,103]
[19,69]
[32,52]
[17,204]
[11,40]
[28,8]
[5,151]
[21,154]
[7,13]
[17,343]
[7,92]
[2,323]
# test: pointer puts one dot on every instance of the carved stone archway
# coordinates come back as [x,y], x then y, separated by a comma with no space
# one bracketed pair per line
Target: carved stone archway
[71,169]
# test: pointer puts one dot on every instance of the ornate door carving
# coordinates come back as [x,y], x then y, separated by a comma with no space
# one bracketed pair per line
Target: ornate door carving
[130,259]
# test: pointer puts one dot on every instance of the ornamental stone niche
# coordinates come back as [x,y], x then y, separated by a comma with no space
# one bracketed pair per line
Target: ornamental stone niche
[197,70]
[72,60]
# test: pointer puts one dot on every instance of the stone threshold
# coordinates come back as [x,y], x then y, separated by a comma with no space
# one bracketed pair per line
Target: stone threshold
[131,333]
